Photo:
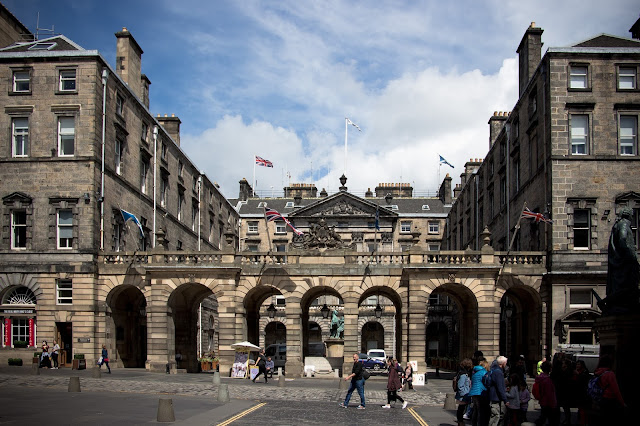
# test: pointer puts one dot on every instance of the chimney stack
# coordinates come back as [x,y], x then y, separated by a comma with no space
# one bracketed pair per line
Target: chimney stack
[171,125]
[245,190]
[129,61]
[496,123]
[529,54]
[445,190]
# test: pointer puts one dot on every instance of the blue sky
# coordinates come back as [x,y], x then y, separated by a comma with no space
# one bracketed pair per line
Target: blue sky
[277,78]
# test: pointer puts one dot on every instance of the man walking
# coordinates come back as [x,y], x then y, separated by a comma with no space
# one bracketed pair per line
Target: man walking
[262,369]
[497,394]
[357,382]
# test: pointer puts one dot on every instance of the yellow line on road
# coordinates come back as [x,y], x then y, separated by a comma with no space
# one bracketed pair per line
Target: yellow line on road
[417,417]
[244,413]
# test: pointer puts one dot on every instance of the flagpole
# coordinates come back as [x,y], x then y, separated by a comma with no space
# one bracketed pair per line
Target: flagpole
[515,232]
[346,124]
[253,186]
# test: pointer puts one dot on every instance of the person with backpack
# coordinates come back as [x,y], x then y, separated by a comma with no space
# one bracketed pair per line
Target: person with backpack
[462,386]
[357,378]
[608,404]
[479,394]
[394,384]
[494,381]
[545,392]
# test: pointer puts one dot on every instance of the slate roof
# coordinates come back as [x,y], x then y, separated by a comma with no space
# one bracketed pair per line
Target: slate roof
[60,43]
[608,40]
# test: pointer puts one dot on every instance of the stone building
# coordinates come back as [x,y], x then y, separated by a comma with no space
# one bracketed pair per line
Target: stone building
[11,29]
[567,150]
[80,144]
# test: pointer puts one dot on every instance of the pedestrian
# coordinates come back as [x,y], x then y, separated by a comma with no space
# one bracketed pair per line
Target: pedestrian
[545,392]
[408,376]
[513,400]
[357,382]
[45,360]
[54,354]
[269,366]
[479,394]
[609,410]
[475,360]
[525,396]
[105,359]
[521,369]
[539,366]
[565,382]
[462,387]
[582,398]
[261,362]
[393,385]
[497,393]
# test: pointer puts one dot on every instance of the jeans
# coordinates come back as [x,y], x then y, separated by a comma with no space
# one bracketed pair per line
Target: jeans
[355,384]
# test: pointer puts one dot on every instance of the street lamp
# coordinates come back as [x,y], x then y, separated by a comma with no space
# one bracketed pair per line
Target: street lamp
[325,311]
[378,311]
[271,310]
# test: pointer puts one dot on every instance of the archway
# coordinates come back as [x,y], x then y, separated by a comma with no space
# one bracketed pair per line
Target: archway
[191,305]
[318,305]
[128,308]
[372,336]
[275,333]
[263,305]
[521,324]
[453,311]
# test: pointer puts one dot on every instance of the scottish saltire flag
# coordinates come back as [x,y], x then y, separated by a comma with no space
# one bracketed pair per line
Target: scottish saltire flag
[130,216]
[262,162]
[353,124]
[272,215]
[538,217]
[378,218]
[443,161]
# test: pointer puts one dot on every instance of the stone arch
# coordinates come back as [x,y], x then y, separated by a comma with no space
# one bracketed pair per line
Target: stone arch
[319,292]
[126,325]
[252,302]
[389,294]
[10,281]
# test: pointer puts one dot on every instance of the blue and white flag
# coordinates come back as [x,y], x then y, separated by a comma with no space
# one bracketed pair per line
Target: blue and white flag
[130,216]
[443,161]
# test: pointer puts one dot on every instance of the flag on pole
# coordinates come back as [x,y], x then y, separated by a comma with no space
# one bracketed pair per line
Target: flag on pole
[377,218]
[443,161]
[273,215]
[130,216]
[262,162]
[538,217]
[353,124]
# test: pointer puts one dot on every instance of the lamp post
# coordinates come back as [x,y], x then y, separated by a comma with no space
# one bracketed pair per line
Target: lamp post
[271,310]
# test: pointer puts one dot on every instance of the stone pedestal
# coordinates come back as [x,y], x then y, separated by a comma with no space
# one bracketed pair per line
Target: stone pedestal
[335,348]
[620,338]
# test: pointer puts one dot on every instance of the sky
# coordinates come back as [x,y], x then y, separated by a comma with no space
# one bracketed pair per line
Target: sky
[420,78]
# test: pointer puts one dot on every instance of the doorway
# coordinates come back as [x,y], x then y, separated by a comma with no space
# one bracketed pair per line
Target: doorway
[64,337]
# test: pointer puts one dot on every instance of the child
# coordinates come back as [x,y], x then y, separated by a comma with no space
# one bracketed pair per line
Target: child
[525,396]
[513,401]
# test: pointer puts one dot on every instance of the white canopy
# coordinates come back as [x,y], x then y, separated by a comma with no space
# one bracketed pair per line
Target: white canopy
[247,346]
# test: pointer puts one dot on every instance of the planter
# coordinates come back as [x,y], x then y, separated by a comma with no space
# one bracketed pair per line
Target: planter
[205,365]
[79,364]
[214,365]
[15,361]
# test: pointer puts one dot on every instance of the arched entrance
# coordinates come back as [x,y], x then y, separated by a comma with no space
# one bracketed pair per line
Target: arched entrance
[318,306]
[379,311]
[372,336]
[521,324]
[128,308]
[452,322]
[275,333]
[263,305]
[191,305]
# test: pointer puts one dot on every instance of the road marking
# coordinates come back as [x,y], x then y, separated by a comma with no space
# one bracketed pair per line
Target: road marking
[244,413]
[417,417]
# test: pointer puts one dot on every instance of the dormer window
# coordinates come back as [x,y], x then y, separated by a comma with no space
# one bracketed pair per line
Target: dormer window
[391,207]
[426,207]
[289,205]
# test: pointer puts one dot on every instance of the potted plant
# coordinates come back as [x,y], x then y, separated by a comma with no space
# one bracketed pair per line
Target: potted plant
[209,362]
[79,363]
[15,361]
[20,344]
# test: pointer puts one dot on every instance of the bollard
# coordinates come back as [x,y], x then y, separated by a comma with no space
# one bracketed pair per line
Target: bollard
[216,378]
[450,402]
[74,384]
[336,373]
[281,382]
[165,410]
[35,369]
[223,393]
[279,371]
[96,373]
[343,384]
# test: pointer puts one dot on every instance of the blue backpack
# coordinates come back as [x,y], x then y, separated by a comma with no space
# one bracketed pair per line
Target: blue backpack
[595,390]
[487,380]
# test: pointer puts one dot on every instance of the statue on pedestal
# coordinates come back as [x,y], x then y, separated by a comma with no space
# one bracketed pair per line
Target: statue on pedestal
[337,326]
[623,272]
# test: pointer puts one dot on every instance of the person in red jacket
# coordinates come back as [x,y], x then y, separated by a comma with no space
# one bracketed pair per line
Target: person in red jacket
[611,408]
[545,393]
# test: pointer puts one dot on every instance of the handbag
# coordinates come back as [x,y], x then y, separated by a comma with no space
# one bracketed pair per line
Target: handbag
[365,374]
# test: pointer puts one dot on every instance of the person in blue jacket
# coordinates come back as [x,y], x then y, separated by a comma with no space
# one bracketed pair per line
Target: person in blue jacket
[463,385]
[497,393]
[479,394]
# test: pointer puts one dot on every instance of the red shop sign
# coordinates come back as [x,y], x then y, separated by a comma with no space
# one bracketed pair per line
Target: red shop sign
[7,332]
[32,332]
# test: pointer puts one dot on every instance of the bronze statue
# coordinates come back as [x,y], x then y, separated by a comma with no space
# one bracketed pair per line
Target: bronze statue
[623,273]
[337,326]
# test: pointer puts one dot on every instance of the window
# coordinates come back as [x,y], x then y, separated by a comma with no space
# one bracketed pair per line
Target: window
[578,77]
[117,232]
[19,229]
[434,227]
[65,229]
[20,144]
[628,134]
[426,207]
[118,156]
[210,239]
[490,198]
[281,228]
[119,105]
[289,205]
[21,81]
[194,216]
[180,167]
[252,247]
[144,134]
[434,246]
[280,300]
[164,185]
[581,229]
[252,227]
[580,298]
[579,134]
[516,175]
[179,245]
[20,329]
[144,172]
[163,151]
[180,204]
[66,136]
[64,290]
[194,185]
[503,191]
[405,226]
[67,80]
[627,78]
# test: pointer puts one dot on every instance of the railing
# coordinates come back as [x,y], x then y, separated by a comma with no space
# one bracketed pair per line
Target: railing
[521,258]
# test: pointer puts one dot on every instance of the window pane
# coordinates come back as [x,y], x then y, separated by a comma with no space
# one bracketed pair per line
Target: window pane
[578,78]
[627,78]
[628,134]
[65,217]
[580,297]
[68,80]
[21,81]
[579,134]
[20,136]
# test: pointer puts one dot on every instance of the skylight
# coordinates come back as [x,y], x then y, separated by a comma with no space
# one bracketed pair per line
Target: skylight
[43,46]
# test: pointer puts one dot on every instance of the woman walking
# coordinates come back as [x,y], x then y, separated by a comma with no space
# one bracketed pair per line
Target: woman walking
[463,386]
[479,395]
[393,384]
[105,358]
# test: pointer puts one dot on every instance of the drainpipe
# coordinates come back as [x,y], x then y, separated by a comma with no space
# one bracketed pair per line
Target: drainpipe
[507,189]
[105,76]
[199,209]
[155,182]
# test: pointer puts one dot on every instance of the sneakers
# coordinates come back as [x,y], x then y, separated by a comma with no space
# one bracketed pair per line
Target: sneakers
[386,406]
[342,405]
[404,405]
[466,417]
[360,407]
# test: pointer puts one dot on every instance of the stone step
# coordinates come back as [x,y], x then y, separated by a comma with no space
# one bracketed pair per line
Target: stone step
[320,364]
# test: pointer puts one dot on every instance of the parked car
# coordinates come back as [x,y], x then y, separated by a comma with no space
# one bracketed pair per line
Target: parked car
[278,354]
[378,354]
[372,364]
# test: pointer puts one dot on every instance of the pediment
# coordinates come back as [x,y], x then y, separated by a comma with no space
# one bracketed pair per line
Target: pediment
[17,198]
[341,205]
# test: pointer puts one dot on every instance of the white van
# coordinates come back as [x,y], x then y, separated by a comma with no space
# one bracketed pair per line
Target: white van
[377,354]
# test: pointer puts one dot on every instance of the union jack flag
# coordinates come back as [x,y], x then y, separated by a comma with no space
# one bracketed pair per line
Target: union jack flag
[538,217]
[272,215]
[262,162]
